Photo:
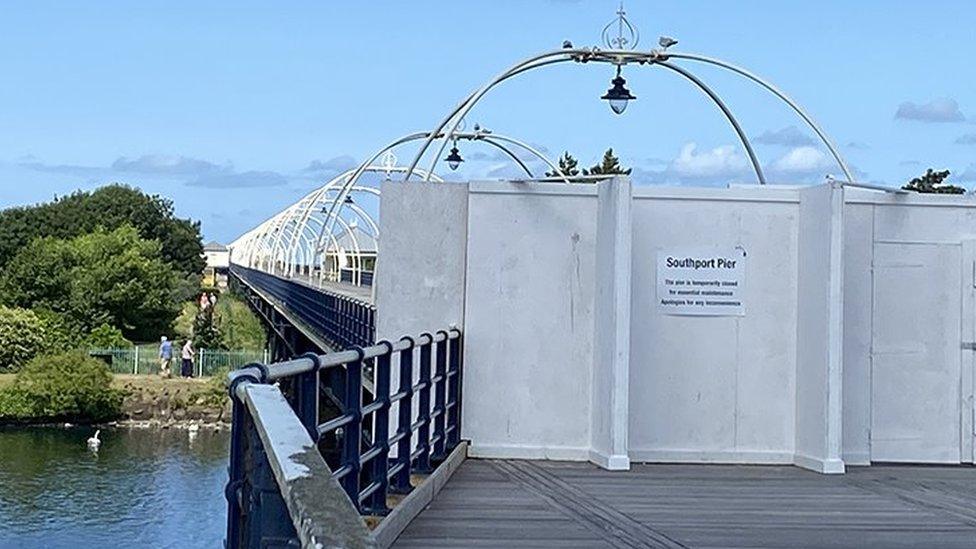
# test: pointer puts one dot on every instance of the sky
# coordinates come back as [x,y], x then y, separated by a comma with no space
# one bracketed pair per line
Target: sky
[236,109]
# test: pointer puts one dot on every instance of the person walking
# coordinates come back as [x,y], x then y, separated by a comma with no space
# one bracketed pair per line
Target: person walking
[165,356]
[187,355]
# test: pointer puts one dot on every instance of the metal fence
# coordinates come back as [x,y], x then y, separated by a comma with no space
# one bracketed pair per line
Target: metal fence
[415,389]
[142,360]
[343,320]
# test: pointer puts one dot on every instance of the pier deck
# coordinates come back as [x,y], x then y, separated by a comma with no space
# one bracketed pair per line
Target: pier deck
[514,503]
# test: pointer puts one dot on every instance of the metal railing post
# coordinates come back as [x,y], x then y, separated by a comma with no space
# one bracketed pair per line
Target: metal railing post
[352,434]
[401,482]
[440,398]
[307,401]
[422,463]
[381,434]
[454,395]
[135,363]
[236,473]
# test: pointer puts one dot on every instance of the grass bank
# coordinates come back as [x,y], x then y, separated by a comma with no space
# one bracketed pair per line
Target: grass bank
[166,401]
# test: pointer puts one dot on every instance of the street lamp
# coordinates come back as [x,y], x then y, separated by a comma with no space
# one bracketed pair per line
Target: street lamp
[618,95]
[454,158]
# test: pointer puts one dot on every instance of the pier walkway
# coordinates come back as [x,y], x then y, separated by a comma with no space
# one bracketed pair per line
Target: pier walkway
[513,503]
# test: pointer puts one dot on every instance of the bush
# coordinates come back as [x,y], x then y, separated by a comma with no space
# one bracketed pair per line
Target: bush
[240,327]
[21,337]
[107,337]
[66,386]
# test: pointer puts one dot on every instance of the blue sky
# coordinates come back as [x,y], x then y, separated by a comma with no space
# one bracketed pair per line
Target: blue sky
[234,110]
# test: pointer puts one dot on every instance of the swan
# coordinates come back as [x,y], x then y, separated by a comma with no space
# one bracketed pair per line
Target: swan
[93,442]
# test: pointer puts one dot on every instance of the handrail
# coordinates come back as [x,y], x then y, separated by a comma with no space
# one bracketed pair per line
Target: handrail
[422,406]
[306,364]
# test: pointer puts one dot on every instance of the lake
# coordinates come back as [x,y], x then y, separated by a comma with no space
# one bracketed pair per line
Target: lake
[144,487]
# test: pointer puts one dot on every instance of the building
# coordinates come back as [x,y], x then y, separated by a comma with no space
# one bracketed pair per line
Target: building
[217,257]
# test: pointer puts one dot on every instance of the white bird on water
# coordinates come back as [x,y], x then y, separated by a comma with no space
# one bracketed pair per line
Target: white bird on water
[93,442]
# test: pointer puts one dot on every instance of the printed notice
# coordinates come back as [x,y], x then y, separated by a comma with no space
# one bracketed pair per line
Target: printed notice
[701,282]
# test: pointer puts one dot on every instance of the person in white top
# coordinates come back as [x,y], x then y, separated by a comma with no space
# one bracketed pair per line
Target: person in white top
[187,356]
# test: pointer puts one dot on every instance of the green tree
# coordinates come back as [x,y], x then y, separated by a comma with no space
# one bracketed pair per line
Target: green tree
[610,165]
[933,182]
[21,338]
[567,165]
[206,334]
[114,278]
[110,207]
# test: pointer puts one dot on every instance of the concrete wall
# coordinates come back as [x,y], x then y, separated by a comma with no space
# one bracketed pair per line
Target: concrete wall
[610,393]
[877,219]
[529,320]
[419,280]
[819,329]
[568,357]
[715,389]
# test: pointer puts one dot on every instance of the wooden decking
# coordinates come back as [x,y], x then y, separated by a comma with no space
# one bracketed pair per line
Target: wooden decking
[514,504]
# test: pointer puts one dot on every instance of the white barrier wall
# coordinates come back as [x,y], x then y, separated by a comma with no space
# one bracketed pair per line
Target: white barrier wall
[529,320]
[569,356]
[819,329]
[420,269]
[715,388]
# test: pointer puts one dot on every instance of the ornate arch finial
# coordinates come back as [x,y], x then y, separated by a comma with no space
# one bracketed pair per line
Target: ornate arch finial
[389,162]
[620,34]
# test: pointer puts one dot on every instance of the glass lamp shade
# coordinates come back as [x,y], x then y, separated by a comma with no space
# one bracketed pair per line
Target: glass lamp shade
[618,95]
[454,159]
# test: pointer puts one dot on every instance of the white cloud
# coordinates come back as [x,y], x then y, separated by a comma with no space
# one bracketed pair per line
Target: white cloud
[789,136]
[802,163]
[938,110]
[230,180]
[719,163]
[164,164]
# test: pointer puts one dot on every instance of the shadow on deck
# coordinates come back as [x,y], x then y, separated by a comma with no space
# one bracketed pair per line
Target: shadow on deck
[512,503]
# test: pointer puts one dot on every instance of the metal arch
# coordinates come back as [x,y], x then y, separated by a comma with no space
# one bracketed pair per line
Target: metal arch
[616,57]
[335,208]
[728,114]
[544,158]
[778,93]
[510,154]
[484,136]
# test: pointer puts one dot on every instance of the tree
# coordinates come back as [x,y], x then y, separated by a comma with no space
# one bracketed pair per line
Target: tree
[109,207]
[610,165]
[114,278]
[21,337]
[933,182]
[567,165]
[206,334]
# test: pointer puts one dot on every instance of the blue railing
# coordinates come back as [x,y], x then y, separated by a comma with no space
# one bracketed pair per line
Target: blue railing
[342,320]
[415,389]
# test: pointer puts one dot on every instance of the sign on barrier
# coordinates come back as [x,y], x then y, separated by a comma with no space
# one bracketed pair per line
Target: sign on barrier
[701,282]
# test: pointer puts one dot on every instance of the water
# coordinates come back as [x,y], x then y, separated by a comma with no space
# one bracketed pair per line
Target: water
[144,487]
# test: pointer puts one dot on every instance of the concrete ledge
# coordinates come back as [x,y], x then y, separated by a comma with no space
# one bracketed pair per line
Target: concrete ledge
[397,521]
[517,451]
[610,462]
[766,457]
[826,466]
[856,458]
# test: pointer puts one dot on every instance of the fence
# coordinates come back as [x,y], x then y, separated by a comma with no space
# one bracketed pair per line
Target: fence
[142,360]
[351,458]
[342,320]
